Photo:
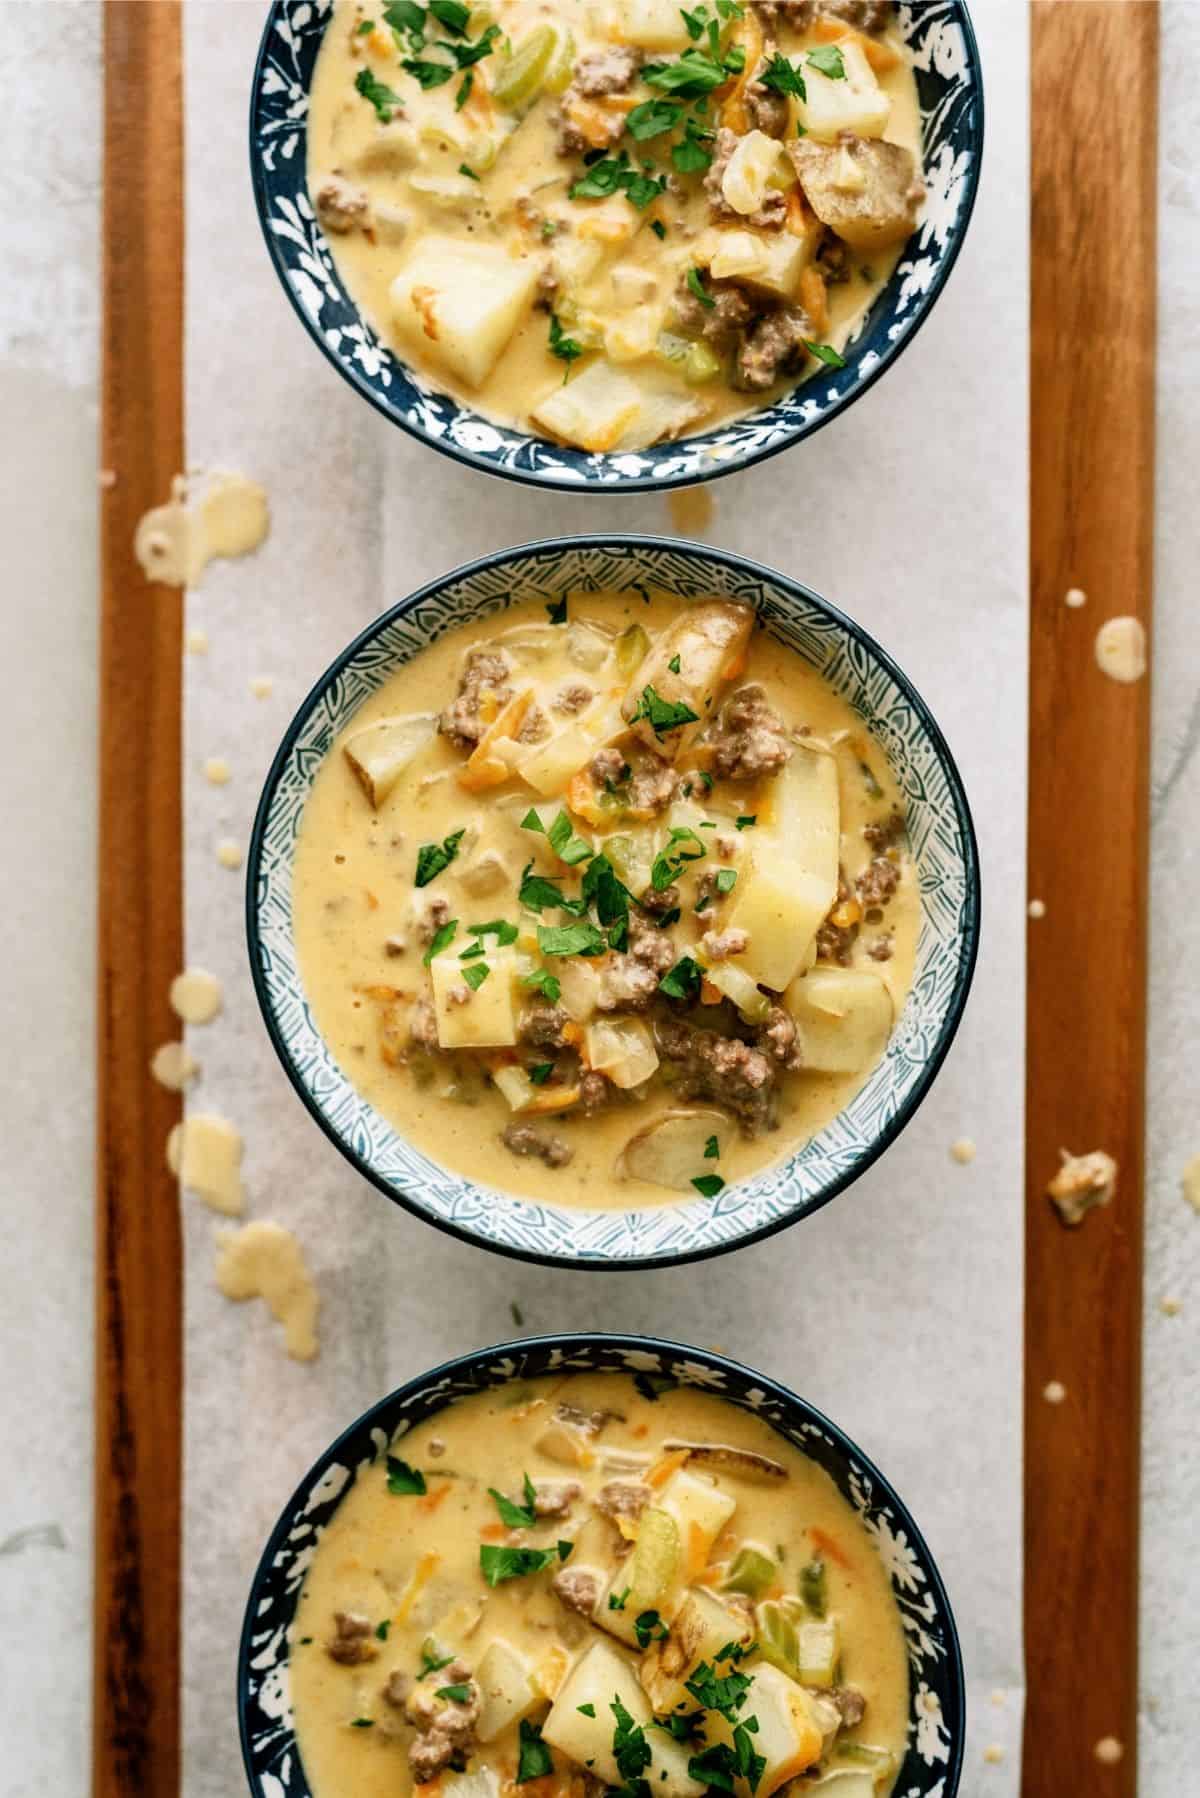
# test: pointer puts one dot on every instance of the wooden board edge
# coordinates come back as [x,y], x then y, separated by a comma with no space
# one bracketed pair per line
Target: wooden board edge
[1091,509]
[139,1322]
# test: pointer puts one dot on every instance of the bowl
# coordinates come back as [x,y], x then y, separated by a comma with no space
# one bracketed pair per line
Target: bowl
[940,834]
[933,1762]
[950,90]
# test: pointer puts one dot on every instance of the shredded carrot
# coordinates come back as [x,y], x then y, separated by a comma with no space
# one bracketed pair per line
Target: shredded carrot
[880,56]
[429,1789]
[433,1499]
[383,993]
[643,1429]
[552,1098]
[424,1572]
[735,113]
[372,899]
[814,297]
[829,1547]
[494,1532]
[484,769]
[697,1550]
[593,119]
[665,1466]
[582,797]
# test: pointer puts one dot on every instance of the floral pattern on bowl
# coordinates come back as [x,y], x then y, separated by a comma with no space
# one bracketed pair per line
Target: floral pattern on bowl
[950,89]
[933,1763]
[940,834]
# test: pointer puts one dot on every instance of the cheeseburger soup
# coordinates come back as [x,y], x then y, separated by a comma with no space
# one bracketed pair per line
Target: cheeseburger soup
[611,222]
[612,906]
[567,1586]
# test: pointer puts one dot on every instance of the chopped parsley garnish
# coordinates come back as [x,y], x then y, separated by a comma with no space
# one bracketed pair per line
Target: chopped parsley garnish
[717,1767]
[617,1600]
[705,779]
[825,353]
[708,1186]
[467,54]
[631,1750]
[669,917]
[540,1072]
[567,349]
[534,1760]
[379,94]
[602,889]
[616,174]
[500,928]
[673,664]
[402,1480]
[433,1663]
[457,1694]
[434,858]
[652,118]
[712,1149]
[407,16]
[682,981]
[689,154]
[661,714]
[538,893]
[783,77]
[828,60]
[442,939]
[540,981]
[726,879]
[363,1723]
[684,1726]
[381,1629]
[713,1691]
[696,286]
[694,74]
[464,90]
[566,845]
[452,14]
[682,846]
[426,74]
[470,954]
[649,1627]
[586,1710]
[466,169]
[476,974]
[659,229]
[531,821]
[514,1516]
[556,610]
[365,27]
[571,939]
[747,820]
[500,1564]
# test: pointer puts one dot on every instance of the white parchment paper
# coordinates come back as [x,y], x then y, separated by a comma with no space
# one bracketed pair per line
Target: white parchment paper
[898,1308]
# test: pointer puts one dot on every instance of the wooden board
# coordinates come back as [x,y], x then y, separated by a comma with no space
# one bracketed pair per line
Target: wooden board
[1091,506]
[139,1323]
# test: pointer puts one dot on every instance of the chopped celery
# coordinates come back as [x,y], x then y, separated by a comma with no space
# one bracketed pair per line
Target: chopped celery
[671,349]
[522,75]
[880,1759]
[633,859]
[817,1652]
[777,1638]
[632,646]
[701,365]
[813,1587]
[751,1572]
[654,1561]
[561,66]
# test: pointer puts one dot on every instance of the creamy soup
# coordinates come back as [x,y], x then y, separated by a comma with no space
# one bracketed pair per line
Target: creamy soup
[608,907]
[567,1585]
[612,222]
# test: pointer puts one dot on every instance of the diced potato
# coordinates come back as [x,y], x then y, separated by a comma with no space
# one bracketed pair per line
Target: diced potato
[792,1730]
[505,1687]
[879,206]
[748,171]
[633,285]
[563,1443]
[817,1651]
[622,1049]
[574,260]
[458,303]
[771,262]
[782,907]
[593,410]
[803,810]
[632,855]
[701,1627]
[632,336]
[701,1510]
[579,985]
[481,1782]
[652,24]
[487,873]
[587,646]
[854,103]
[608,222]
[649,1580]
[844,1017]
[601,1675]
[488,1018]
[515,1085]
[709,640]
[670,1151]
[381,752]
[740,988]
[664,415]
[548,766]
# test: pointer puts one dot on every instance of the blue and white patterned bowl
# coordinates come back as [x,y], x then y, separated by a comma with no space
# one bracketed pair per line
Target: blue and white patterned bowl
[950,89]
[937,1702]
[941,837]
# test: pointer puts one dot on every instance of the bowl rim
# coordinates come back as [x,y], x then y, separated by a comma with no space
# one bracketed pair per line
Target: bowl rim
[554,547]
[619,483]
[615,1339]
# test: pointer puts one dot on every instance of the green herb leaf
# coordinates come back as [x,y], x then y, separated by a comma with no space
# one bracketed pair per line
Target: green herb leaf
[406,17]
[476,974]
[538,893]
[673,664]
[586,1710]
[631,1750]
[534,1760]
[540,981]
[828,60]
[605,891]
[465,55]
[571,939]
[531,821]
[402,1480]
[566,845]
[708,1185]
[363,1723]
[617,1600]
[783,77]
[433,1663]
[540,1072]
[714,1691]
[434,858]
[682,981]
[427,74]
[696,286]
[567,349]
[682,845]
[381,1629]
[747,821]
[452,14]
[712,1149]
[442,940]
[691,77]
[659,229]
[669,917]
[694,21]
[556,610]
[500,1564]
[652,118]
[616,174]
[366,26]
[813,1588]
[465,169]
[730,9]
[661,714]
[464,90]
[726,879]
[514,1516]
[684,1726]
[649,1627]
[379,94]
[689,155]
[470,954]
[825,353]
[500,928]
[457,1694]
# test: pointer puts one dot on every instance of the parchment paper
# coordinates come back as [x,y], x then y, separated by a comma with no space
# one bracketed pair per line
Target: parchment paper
[898,1308]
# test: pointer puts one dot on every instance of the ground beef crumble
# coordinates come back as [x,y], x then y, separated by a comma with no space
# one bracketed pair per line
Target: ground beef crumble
[445,1726]
[877,884]
[770,215]
[733,1074]
[351,1643]
[749,739]
[523,1139]
[484,677]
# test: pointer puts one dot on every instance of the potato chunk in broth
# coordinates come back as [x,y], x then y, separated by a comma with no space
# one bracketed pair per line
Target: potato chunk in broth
[612,906]
[539,1577]
[613,223]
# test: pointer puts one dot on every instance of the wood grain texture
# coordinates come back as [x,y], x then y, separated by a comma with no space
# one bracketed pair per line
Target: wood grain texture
[1091,504]
[138,1261]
